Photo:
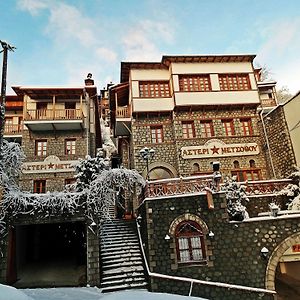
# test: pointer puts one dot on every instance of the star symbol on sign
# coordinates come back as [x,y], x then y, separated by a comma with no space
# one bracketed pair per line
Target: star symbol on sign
[51,165]
[215,150]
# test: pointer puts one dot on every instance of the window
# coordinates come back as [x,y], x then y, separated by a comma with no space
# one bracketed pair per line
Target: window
[196,168]
[70,181]
[41,147]
[194,83]
[243,175]
[39,186]
[246,126]
[70,146]
[189,242]
[234,82]
[252,163]
[188,129]
[154,89]
[228,127]
[236,164]
[156,134]
[207,128]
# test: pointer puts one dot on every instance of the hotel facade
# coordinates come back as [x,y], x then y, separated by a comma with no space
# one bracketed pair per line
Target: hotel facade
[193,111]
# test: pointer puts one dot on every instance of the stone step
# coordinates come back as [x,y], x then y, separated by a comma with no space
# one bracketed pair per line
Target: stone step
[118,237]
[124,287]
[123,281]
[113,265]
[121,253]
[123,270]
[122,256]
[122,276]
[118,244]
[117,248]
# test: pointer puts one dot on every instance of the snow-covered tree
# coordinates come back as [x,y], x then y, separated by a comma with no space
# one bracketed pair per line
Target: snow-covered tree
[236,196]
[96,188]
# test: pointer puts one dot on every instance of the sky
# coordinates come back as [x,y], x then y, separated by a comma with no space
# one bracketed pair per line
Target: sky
[60,41]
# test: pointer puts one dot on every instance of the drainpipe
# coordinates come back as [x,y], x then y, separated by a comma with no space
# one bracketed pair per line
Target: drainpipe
[267,141]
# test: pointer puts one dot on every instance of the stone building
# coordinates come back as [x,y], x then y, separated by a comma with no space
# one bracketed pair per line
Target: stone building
[192,110]
[56,126]
[281,125]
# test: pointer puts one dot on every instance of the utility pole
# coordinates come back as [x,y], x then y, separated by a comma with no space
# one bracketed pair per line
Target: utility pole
[5,48]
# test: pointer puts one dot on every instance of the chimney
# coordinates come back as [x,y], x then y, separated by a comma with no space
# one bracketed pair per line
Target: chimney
[89,81]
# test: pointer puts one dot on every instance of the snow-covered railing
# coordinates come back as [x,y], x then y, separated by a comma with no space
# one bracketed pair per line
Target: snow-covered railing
[193,281]
[178,186]
[265,187]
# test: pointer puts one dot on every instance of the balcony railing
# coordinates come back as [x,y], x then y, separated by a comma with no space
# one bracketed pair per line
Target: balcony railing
[268,102]
[57,114]
[199,184]
[123,112]
[265,187]
[178,186]
[12,129]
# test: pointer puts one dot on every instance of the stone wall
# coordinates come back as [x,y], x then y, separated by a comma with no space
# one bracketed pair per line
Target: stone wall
[233,255]
[281,152]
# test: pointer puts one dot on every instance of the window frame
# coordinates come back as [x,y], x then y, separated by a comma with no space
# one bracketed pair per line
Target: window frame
[188,132]
[246,126]
[157,134]
[41,147]
[231,82]
[72,150]
[243,174]
[154,89]
[39,186]
[194,83]
[226,125]
[206,127]
[189,236]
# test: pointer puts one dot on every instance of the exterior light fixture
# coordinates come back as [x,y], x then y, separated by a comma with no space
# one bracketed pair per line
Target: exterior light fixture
[147,154]
[93,224]
[274,209]
[139,219]
[217,174]
[211,235]
[264,252]
[167,237]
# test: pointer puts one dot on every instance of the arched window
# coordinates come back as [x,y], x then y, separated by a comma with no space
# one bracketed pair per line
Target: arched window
[252,163]
[160,173]
[236,164]
[196,168]
[190,242]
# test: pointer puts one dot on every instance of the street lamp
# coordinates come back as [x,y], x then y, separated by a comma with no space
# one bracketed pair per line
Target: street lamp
[147,154]
[5,48]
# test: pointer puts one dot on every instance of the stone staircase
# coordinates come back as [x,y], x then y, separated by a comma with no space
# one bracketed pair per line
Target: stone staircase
[121,258]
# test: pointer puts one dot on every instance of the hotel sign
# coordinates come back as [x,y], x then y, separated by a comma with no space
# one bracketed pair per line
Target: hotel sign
[51,164]
[217,148]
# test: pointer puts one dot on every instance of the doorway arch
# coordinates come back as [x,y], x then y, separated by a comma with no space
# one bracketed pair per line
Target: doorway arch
[275,258]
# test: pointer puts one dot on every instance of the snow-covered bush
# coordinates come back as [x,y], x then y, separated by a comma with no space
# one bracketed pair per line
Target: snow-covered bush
[292,191]
[236,196]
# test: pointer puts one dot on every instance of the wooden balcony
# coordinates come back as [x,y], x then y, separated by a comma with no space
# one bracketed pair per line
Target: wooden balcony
[54,119]
[12,130]
[123,121]
[178,186]
[268,102]
[123,112]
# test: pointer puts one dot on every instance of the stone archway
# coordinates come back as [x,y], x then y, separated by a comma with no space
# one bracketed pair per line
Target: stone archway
[275,257]
[163,169]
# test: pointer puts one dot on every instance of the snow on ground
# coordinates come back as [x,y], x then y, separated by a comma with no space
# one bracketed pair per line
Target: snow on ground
[10,293]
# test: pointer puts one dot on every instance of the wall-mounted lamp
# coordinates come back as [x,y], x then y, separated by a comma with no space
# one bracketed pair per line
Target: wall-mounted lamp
[139,219]
[167,237]
[172,208]
[93,224]
[211,235]
[274,209]
[147,154]
[264,252]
